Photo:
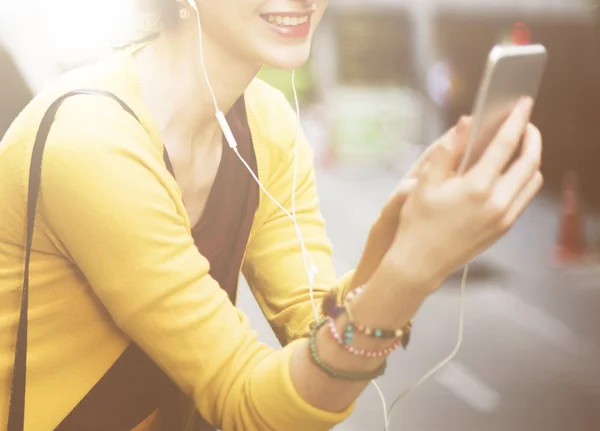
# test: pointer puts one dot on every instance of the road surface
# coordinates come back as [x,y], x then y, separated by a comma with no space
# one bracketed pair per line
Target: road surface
[530,360]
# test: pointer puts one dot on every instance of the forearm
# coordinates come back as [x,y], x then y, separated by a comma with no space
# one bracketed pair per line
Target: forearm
[387,302]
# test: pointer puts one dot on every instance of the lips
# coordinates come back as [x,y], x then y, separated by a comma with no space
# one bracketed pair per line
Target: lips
[289,24]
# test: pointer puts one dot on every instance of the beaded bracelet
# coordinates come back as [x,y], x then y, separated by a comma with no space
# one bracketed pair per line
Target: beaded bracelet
[358,351]
[332,372]
[331,308]
[402,334]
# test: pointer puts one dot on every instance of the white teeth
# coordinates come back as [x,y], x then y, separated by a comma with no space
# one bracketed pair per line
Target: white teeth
[286,20]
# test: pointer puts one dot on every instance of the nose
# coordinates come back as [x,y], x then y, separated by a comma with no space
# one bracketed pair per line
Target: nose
[306,2]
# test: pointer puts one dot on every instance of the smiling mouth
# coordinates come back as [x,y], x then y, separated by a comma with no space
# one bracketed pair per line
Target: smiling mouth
[290,25]
[288,20]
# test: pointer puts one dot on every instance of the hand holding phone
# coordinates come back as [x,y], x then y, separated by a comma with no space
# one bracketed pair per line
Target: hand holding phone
[449,219]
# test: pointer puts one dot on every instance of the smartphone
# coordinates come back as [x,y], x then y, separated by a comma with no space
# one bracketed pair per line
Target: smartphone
[512,72]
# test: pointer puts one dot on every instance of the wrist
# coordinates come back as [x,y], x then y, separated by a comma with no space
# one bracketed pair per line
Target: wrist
[388,301]
[412,267]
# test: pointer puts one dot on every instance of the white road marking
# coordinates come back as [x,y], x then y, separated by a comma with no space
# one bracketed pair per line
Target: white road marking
[468,387]
[585,370]
[541,324]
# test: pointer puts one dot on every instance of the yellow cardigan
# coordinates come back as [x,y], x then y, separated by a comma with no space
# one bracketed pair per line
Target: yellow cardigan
[113,260]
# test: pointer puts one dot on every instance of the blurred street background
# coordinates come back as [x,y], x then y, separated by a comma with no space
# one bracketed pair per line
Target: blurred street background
[385,79]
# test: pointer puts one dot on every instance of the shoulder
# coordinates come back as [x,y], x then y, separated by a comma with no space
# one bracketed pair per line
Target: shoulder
[89,139]
[98,121]
[261,94]
[95,122]
[81,121]
[275,122]
[271,113]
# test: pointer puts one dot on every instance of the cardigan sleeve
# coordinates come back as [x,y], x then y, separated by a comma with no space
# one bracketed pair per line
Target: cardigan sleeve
[274,265]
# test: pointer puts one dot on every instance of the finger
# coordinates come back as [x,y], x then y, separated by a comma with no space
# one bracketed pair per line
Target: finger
[523,199]
[463,128]
[404,188]
[417,169]
[443,158]
[399,196]
[503,145]
[521,171]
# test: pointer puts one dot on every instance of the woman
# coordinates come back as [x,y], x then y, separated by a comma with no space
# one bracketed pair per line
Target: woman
[128,256]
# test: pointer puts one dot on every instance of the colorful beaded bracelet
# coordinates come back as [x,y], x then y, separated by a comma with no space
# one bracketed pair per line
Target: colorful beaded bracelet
[331,308]
[358,351]
[332,372]
[402,334]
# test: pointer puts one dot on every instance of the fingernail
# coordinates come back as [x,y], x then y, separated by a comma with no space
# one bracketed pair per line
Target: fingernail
[461,125]
[526,104]
[410,183]
[450,141]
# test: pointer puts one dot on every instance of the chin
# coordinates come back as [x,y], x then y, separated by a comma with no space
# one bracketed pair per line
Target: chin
[286,57]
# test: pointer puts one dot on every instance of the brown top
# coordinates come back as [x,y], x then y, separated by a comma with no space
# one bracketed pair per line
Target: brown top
[222,233]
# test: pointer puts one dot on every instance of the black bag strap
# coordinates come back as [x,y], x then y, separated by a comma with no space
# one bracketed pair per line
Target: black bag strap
[16,413]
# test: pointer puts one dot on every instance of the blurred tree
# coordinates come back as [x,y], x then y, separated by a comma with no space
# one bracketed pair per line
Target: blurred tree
[282,80]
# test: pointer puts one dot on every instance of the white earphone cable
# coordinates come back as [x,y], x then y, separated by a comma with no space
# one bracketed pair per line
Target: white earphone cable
[309,266]
[193,5]
[306,255]
[444,362]
[307,262]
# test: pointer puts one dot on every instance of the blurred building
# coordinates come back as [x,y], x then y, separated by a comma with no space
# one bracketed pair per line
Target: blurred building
[429,55]
[389,74]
